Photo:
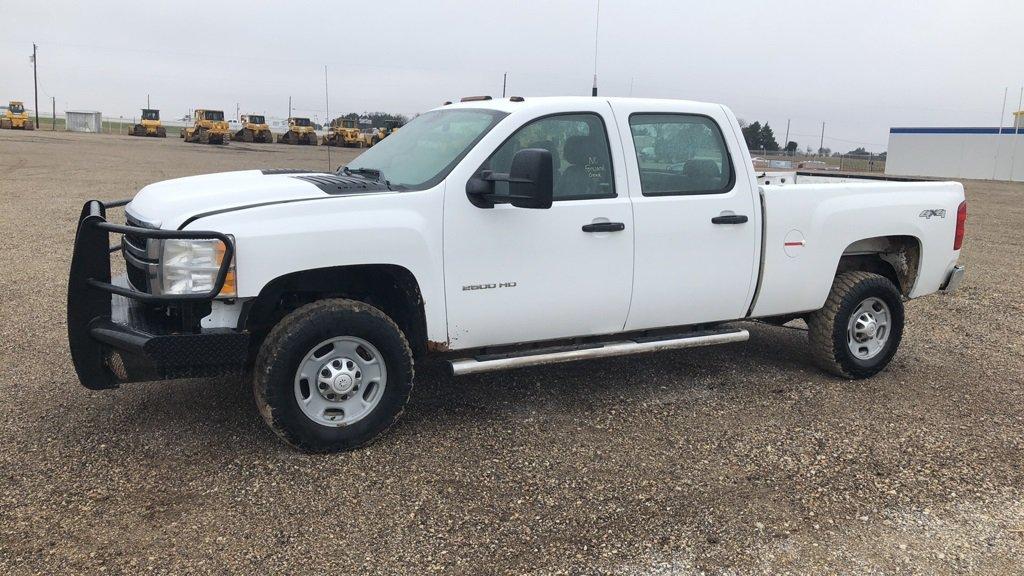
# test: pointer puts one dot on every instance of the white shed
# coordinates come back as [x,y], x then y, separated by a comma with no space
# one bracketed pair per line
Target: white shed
[84,121]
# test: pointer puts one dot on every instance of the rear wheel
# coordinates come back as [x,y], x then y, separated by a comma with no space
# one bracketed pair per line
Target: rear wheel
[333,375]
[857,332]
[161,132]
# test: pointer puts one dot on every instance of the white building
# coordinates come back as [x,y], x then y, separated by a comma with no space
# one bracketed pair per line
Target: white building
[977,153]
[83,121]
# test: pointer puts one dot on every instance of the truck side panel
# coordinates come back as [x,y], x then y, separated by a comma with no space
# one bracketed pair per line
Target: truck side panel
[401,229]
[809,226]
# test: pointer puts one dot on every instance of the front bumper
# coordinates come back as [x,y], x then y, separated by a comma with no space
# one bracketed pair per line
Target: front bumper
[956,276]
[119,334]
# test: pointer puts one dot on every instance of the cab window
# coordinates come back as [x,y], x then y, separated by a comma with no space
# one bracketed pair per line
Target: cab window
[580,155]
[680,154]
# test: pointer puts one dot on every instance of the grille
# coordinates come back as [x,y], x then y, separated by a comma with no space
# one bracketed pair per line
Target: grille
[137,276]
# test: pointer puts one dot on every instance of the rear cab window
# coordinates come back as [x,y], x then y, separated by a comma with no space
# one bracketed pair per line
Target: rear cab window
[680,154]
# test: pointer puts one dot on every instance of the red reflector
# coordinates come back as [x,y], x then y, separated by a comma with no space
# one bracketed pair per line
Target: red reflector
[961,220]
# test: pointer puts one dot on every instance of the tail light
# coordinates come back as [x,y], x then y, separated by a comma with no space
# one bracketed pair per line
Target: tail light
[961,220]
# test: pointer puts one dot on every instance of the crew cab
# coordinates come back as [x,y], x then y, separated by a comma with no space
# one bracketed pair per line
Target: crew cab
[494,234]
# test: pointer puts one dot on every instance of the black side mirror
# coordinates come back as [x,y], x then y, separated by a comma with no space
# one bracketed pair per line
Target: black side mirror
[530,182]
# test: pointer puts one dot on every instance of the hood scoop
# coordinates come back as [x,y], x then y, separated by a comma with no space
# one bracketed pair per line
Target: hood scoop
[340,184]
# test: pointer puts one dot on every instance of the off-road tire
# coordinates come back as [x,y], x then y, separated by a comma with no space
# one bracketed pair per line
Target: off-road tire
[161,132]
[828,327]
[291,339]
[30,125]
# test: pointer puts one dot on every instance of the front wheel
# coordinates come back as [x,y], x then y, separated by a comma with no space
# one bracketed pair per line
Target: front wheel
[857,332]
[333,375]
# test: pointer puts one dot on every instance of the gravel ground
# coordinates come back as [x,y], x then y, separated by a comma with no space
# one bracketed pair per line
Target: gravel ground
[736,459]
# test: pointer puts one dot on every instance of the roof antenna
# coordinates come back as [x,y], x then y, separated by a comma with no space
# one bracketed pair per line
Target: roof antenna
[597,25]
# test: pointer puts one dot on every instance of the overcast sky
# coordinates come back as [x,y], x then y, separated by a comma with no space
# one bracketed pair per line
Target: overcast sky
[859,66]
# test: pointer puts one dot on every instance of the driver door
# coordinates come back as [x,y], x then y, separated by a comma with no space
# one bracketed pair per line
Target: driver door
[518,275]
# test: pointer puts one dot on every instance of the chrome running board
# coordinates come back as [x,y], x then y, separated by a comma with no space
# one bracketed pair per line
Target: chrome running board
[492,363]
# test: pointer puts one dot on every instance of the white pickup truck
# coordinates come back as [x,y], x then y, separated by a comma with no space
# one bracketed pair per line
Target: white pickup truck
[495,234]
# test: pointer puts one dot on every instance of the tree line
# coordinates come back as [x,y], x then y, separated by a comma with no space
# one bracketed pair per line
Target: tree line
[761,137]
[377,119]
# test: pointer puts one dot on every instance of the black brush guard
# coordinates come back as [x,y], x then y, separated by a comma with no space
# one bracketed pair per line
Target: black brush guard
[119,334]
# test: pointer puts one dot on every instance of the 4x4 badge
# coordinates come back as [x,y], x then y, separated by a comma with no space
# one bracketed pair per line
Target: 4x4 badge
[927,214]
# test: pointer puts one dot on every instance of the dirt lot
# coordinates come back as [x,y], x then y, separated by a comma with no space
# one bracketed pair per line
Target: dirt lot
[736,459]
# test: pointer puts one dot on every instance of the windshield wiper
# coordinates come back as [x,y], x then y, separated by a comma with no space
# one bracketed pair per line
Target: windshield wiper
[371,172]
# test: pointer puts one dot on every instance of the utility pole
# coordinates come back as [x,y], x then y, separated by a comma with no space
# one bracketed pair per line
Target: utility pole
[999,141]
[1016,136]
[53,119]
[238,112]
[147,101]
[821,146]
[597,26]
[504,83]
[35,81]
[327,111]
[787,133]
[289,106]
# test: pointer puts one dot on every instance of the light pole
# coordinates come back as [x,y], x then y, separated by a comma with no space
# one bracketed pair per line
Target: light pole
[35,81]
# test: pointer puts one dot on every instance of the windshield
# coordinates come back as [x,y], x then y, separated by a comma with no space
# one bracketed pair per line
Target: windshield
[150,114]
[17,108]
[214,115]
[428,147]
[256,120]
[301,121]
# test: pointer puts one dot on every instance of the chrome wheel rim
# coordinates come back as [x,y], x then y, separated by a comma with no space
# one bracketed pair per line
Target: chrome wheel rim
[340,381]
[868,329]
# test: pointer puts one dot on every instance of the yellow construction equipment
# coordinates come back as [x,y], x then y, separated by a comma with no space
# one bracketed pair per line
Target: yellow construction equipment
[371,136]
[300,131]
[254,129]
[149,125]
[347,133]
[16,117]
[209,128]
[390,127]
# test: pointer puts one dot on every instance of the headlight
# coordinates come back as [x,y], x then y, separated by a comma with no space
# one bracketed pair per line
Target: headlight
[191,266]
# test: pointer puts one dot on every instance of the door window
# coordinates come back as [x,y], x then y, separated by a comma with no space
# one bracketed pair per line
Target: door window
[579,151]
[680,154]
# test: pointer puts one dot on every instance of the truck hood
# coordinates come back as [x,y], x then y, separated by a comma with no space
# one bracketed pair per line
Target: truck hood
[170,203]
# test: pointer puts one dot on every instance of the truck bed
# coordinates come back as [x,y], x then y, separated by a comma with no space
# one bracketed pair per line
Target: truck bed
[812,220]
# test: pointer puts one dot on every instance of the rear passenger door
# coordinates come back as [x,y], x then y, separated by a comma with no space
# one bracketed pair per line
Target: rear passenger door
[697,230]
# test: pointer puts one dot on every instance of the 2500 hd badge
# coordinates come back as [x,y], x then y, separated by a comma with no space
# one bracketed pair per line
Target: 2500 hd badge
[489,286]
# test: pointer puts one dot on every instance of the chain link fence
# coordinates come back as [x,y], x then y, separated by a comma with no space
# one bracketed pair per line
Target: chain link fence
[782,160]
